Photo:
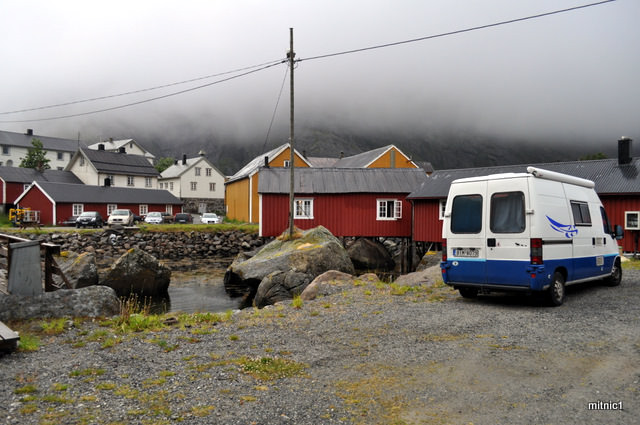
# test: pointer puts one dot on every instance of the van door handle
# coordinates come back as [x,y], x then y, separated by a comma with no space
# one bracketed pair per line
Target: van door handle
[491,242]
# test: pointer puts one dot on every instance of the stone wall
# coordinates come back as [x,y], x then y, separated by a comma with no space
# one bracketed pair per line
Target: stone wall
[169,246]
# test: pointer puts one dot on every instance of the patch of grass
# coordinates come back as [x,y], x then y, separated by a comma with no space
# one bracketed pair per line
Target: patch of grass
[53,398]
[270,368]
[106,386]
[87,372]
[53,326]
[29,342]
[297,302]
[60,387]
[164,345]
[201,411]
[632,264]
[27,389]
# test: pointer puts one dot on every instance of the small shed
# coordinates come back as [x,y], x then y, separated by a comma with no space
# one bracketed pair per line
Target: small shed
[59,201]
[347,201]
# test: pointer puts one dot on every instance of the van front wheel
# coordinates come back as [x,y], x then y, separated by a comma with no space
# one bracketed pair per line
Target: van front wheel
[556,291]
[468,292]
[616,275]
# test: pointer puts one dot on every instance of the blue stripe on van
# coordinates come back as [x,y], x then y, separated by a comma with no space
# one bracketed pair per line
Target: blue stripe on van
[521,273]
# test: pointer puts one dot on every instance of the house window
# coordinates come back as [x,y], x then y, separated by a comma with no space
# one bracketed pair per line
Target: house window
[443,204]
[5,150]
[198,169]
[10,163]
[207,172]
[171,186]
[194,186]
[212,187]
[60,156]
[303,208]
[147,182]
[143,209]
[112,180]
[82,161]
[389,209]
[169,208]
[78,209]
[111,208]
[286,163]
[130,181]
[25,186]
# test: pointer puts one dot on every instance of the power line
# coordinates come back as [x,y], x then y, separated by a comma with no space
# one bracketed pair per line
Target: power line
[148,100]
[75,102]
[275,109]
[445,34]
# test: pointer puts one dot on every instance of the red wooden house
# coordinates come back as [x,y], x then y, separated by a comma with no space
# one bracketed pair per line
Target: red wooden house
[347,201]
[617,182]
[59,201]
[14,181]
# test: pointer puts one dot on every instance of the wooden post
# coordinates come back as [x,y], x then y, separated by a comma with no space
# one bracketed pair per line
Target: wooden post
[291,56]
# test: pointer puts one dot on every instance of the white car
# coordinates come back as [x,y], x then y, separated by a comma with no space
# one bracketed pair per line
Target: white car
[124,217]
[154,217]
[210,218]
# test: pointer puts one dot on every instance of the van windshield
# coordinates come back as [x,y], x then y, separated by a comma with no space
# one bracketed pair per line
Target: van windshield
[507,212]
[466,214]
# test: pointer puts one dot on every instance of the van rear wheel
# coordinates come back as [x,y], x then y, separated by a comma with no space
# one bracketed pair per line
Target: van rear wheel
[468,292]
[555,293]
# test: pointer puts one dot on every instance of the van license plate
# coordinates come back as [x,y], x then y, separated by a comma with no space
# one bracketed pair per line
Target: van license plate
[465,252]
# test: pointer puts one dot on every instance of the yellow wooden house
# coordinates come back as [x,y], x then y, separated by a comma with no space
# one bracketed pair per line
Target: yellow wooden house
[241,189]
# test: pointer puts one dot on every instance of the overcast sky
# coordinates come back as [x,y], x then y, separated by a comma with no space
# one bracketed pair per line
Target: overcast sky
[573,75]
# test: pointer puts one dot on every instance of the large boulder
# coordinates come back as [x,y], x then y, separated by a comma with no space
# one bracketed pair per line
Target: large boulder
[298,262]
[138,272]
[328,283]
[370,254]
[80,270]
[93,301]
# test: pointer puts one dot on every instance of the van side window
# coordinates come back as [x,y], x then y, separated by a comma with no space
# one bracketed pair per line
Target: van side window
[581,215]
[605,221]
[507,212]
[466,214]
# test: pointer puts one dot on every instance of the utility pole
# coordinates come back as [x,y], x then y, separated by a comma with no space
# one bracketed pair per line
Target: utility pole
[291,56]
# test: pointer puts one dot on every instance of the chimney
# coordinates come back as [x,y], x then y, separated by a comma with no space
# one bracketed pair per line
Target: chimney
[184,159]
[111,139]
[101,147]
[341,154]
[266,162]
[122,150]
[624,151]
[29,132]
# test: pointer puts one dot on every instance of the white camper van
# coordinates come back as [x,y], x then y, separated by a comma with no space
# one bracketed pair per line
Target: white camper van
[533,232]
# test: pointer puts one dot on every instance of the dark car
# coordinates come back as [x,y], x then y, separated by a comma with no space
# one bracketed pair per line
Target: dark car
[90,218]
[184,218]
[71,221]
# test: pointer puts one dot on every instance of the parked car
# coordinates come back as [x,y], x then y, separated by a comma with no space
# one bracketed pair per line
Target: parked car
[90,218]
[154,217]
[210,218]
[166,217]
[71,221]
[184,218]
[124,217]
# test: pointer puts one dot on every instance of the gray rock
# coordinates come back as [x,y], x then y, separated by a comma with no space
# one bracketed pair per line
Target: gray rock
[313,253]
[368,254]
[93,301]
[80,270]
[138,272]
[427,276]
[280,286]
[328,283]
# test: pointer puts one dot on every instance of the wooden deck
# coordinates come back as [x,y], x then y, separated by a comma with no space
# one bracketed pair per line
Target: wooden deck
[8,338]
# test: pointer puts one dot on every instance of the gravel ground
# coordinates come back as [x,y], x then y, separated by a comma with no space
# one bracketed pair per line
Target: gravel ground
[424,356]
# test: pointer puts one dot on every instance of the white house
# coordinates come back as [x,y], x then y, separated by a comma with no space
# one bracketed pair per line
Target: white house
[14,147]
[94,167]
[130,146]
[197,182]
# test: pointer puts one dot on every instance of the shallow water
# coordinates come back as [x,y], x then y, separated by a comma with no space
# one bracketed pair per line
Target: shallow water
[197,290]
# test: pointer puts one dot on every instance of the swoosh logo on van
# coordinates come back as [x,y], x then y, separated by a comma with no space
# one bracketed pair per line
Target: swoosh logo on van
[569,230]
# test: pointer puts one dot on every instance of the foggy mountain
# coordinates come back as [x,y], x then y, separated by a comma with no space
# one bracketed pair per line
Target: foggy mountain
[443,149]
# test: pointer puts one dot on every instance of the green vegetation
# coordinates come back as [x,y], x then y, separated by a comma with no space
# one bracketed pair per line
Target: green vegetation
[36,157]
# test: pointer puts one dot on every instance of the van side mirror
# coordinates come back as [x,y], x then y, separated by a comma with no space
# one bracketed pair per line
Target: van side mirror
[618,232]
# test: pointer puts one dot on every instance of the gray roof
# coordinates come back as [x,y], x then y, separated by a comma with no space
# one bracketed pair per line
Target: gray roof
[120,163]
[318,161]
[257,162]
[28,175]
[177,169]
[49,143]
[609,177]
[341,180]
[65,192]
[114,145]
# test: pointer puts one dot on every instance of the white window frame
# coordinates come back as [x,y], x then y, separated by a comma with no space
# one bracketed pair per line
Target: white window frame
[441,207]
[194,186]
[148,182]
[169,209]
[303,208]
[143,209]
[286,163]
[381,209]
[171,186]
[25,186]
[77,209]
[207,172]
[131,181]
[111,208]
[198,171]
[212,187]
[5,150]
